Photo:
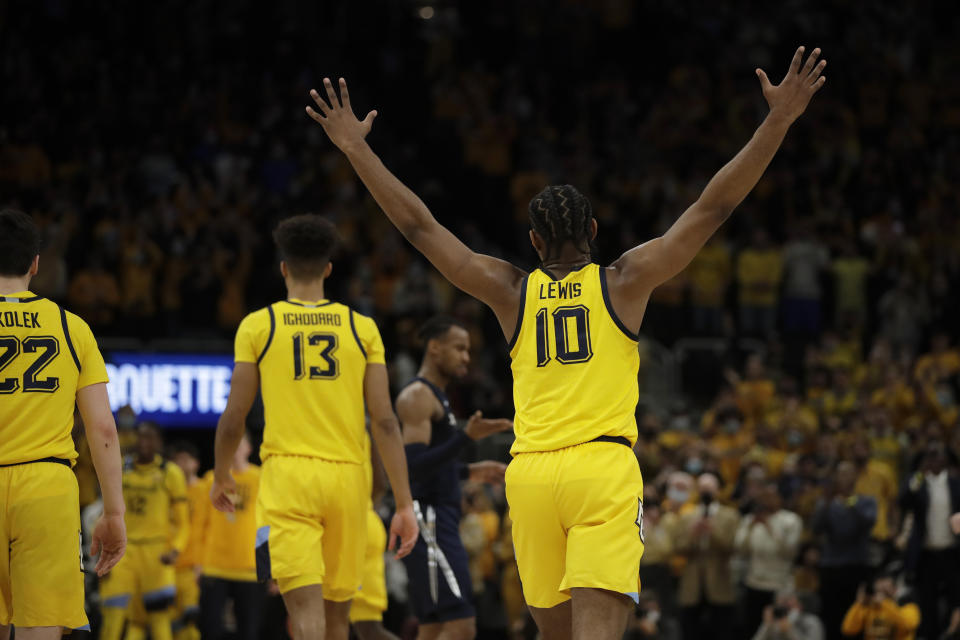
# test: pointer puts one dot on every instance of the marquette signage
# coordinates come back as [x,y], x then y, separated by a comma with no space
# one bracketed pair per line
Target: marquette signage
[173,389]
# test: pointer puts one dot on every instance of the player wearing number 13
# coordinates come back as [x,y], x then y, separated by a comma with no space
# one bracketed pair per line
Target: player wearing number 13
[317,363]
[49,363]
[573,487]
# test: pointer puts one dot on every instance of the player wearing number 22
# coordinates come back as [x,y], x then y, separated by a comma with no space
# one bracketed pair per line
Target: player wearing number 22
[574,486]
[49,363]
[317,364]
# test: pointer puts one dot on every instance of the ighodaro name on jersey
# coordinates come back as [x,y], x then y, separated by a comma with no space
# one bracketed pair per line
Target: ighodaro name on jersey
[307,318]
[560,290]
[22,319]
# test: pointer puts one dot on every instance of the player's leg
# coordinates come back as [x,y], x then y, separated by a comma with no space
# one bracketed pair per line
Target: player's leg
[306,610]
[187,605]
[554,622]
[159,592]
[372,630]
[291,541]
[539,540]
[598,495]
[598,613]
[462,629]
[429,631]
[39,633]
[42,522]
[337,619]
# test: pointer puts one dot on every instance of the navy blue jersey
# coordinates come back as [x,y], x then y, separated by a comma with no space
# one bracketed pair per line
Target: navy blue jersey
[441,485]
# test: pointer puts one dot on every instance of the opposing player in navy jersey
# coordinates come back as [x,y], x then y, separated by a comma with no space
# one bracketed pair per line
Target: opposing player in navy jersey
[440,589]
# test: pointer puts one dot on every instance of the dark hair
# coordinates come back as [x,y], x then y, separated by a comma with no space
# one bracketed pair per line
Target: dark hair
[182,446]
[435,327]
[19,242]
[561,214]
[306,243]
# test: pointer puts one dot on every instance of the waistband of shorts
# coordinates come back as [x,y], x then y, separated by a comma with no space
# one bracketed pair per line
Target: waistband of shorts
[614,439]
[62,461]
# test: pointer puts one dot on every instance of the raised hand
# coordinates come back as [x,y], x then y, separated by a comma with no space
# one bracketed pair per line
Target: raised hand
[790,98]
[109,540]
[337,118]
[479,427]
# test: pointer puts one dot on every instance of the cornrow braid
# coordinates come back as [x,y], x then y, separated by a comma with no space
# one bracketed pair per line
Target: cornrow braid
[561,214]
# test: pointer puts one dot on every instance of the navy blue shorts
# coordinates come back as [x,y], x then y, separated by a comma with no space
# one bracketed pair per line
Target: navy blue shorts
[454,590]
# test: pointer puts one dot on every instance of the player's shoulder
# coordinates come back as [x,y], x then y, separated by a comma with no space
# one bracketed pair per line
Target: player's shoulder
[416,393]
[258,316]
[173,471]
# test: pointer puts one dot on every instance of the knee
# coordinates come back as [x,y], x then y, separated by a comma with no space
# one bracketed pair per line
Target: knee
[464,630]
[307,625]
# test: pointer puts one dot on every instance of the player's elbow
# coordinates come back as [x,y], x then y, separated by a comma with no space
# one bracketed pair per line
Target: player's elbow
[103,432]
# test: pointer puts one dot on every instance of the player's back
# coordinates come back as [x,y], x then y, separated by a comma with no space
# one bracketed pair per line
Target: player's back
[46,354]
[574,364]
[312,359]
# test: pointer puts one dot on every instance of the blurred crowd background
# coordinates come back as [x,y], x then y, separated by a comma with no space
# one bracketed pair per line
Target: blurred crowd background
[801,455]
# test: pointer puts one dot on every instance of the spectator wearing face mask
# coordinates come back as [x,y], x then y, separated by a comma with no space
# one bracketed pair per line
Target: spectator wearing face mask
[785,619]
[658,529]
[768,539]
[876,615]
[843,520]
[704,536]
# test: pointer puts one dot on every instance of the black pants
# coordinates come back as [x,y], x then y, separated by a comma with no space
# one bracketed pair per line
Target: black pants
[247,606]
[937,589]
[707,622]
[838,592]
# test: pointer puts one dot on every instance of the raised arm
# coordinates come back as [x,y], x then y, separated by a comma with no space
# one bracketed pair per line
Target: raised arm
[493,281]
[641,269]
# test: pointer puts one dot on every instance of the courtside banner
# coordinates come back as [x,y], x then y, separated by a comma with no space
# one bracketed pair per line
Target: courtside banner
[171,389]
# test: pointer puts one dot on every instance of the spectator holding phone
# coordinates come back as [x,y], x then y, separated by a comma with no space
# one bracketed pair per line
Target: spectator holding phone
[786,620]
[877,616]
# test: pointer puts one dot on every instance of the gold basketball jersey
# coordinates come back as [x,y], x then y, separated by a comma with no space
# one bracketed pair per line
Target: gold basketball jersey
[575,364]
[46,354]
[312,357]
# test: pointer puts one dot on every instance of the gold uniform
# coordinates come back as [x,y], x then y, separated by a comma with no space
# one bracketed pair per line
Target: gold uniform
[157,522]
[312,358]
[574,485]
[46,355]
[188,591]
[228,549]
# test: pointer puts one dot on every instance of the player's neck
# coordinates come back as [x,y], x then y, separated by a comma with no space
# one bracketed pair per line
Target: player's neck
[566,260]
[10,284]
[432,374]
[308,291]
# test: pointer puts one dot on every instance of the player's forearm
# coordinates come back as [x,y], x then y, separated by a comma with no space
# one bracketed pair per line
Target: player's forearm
[405,209]
[105,451]
[389,443]
[737,178]
[229,435]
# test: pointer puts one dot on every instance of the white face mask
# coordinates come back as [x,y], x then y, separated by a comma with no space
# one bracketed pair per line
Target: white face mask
[678,496]
[793,616]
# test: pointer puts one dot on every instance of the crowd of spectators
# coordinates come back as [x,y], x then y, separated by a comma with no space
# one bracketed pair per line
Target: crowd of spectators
[158,144]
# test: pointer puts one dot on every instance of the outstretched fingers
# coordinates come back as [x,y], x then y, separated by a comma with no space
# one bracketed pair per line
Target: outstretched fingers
[345,95]
[331,93]
[814,75]
[321,105]
[811,60]
[795,63]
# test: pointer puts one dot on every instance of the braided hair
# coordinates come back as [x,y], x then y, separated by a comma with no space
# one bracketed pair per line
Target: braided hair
[562,214]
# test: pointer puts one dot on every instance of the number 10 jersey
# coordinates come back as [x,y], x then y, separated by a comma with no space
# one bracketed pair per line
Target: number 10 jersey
[312,358]
[46,354]
[574,364]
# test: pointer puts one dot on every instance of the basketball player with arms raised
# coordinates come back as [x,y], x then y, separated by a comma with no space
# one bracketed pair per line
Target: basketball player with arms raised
[574,486]
[318,364]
